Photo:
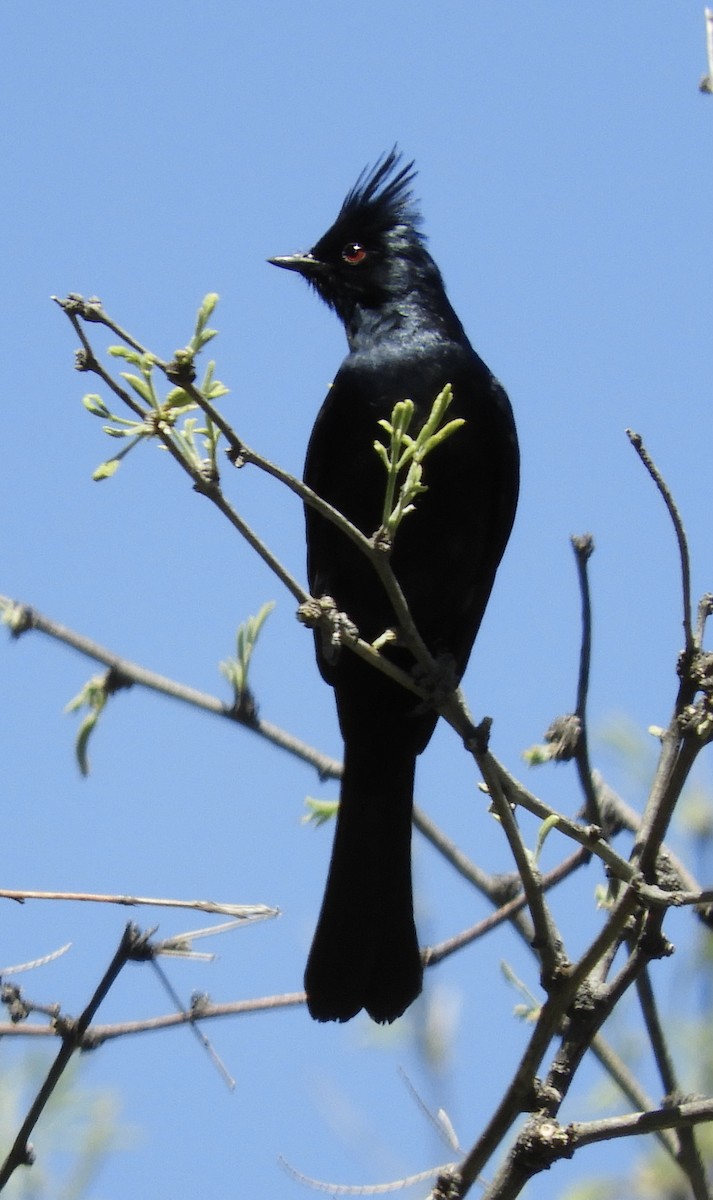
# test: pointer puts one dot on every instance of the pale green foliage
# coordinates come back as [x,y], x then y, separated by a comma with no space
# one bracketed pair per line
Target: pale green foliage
[319,812]
[93,697]
[405,454]
[538,755]
[530,1009]
[543,832]
[14,616]
[195,438]
[236,669]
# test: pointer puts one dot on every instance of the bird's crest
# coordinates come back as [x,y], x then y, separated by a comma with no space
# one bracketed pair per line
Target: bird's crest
[381,198]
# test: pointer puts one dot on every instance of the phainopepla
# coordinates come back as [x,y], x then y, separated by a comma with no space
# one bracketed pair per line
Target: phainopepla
[405,341]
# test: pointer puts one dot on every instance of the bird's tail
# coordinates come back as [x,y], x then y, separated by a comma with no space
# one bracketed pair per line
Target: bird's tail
[365,951]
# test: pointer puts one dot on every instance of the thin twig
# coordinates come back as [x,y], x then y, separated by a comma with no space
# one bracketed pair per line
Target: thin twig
[655,1033]
[675,762]
[583,547]
[33,964]
[688,1156]
[90,362]
[200,1036]
[201,485]
[674,1116]
[72,1033]
[362,1189]
[519,1092]
[21,618]
[242,454]
[705,610]
[487,884]
[581,1025]
[544,1142]
[505,912]
[619,1072]
[245,912]
[588,836]
[205,1010]
[638,444]
[546,943]
[556,1013]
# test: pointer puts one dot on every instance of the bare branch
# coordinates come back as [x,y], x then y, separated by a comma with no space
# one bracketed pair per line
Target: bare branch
[133,945]
[362,1189]
[20,618]
[203,1010]
[583,549]
[580,996]
[674,1116]
[619,1072]
[507,911]
[688,1155]
[546,943]
[638,444]
[240,912]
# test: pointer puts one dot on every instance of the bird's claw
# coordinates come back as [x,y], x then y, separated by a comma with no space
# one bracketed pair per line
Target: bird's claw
[439,683]
[335,627]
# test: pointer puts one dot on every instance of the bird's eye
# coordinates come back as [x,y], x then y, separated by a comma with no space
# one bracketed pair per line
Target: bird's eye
[353,254]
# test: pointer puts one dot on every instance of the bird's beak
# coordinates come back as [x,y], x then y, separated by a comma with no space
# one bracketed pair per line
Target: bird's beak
[304,264]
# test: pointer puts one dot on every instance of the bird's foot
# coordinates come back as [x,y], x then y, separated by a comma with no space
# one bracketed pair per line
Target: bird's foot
[439,683]
[334,626]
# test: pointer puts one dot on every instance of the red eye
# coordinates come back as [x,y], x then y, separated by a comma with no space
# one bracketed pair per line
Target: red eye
[353,253]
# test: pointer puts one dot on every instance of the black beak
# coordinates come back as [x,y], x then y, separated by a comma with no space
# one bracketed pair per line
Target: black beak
[304,264]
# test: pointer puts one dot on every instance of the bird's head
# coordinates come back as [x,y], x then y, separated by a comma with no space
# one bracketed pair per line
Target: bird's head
[374,252]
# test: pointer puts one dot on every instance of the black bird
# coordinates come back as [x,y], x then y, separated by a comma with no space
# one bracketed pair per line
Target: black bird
[405,341]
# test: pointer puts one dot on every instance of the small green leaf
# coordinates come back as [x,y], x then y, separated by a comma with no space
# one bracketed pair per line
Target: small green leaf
[202,334]
[603,897]
[436,439]
[406,452]
[112,431]
[535,756]
[550,823]
[93,696]
[129,355]
[207,308]
[216,390]
[236,670]
[319,811]
[529,1011]
[381,451]
[95,405]
[105,470]
[141,386]
[176,398]
[437,413]
[81,746]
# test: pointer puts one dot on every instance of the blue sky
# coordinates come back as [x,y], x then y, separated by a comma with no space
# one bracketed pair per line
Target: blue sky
[153,153]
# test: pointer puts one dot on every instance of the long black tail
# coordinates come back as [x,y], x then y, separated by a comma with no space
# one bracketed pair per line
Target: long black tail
[365,950]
